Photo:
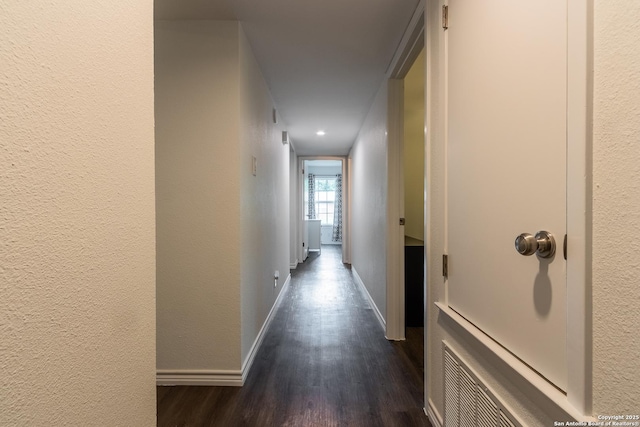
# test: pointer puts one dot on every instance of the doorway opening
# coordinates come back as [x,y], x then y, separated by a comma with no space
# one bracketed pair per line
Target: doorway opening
[323,207]
[406,191]
[413,158]
[406,254]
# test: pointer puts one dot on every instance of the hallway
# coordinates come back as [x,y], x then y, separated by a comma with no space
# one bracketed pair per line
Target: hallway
[324,362]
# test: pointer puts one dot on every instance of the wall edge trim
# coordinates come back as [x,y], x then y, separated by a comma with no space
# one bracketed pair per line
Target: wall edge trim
[220,377]
[433,414]
[257,343]
[366,293]
[211,377]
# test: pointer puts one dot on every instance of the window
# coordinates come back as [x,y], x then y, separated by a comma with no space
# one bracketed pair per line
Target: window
[325,196]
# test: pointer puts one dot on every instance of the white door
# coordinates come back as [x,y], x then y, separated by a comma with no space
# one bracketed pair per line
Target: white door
[506,173]
[305,239]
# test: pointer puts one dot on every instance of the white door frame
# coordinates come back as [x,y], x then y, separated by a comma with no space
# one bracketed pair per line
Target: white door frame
[579,209]
[346,204]
[395,321]
[578,398]
[409,48]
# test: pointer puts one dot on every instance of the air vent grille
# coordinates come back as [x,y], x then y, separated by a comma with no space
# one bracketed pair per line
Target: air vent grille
[451,391]
[487,410]
[468,402]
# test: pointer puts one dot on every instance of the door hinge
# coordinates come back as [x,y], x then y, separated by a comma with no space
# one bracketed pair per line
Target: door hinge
[445,17]
[445,266]
[401,221]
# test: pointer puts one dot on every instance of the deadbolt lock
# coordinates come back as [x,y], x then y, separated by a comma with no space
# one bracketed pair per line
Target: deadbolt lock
[542,243]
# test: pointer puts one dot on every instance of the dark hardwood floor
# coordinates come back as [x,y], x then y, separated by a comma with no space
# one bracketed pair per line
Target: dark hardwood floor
[324,362]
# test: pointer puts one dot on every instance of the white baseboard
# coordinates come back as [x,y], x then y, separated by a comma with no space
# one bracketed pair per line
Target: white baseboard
[212,377]
[248,361]
[434,416]
[293,266]
[364,290]
[199,377]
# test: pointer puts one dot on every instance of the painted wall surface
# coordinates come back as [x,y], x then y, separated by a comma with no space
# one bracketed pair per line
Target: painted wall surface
[77,230]
[198,190]
[264,200]
[616,217]
[616,207]
[222,232]
[413,149]
[369,201]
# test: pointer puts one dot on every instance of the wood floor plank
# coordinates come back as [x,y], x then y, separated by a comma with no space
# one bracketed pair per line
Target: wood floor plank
[324,362]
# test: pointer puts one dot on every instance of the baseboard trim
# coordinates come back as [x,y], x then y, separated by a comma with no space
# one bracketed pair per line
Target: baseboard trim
[248,361]
[364,290]
[212,377]
[434,416]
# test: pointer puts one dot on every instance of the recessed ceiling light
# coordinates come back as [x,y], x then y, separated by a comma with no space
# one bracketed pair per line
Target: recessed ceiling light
[320,133]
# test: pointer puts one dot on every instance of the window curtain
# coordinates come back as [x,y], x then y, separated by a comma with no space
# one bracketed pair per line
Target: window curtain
[312,197]
[337,211]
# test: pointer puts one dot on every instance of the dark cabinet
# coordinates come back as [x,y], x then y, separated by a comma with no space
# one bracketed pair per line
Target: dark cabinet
[413,282]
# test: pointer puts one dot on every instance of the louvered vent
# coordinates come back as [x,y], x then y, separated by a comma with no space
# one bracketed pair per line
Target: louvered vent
[487,410]
[451,390]
[468,402]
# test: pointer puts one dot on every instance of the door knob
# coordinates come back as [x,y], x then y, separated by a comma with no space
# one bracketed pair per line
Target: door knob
[543,243]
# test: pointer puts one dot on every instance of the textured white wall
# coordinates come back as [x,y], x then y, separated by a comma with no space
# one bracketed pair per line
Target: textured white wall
[616,218]
[222,232]
[616,207]
[369,202]
[198,195]
[264,212]
[413,149]
[77,233]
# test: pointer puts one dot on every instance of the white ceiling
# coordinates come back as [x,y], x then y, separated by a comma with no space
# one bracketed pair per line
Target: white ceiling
[323,60]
